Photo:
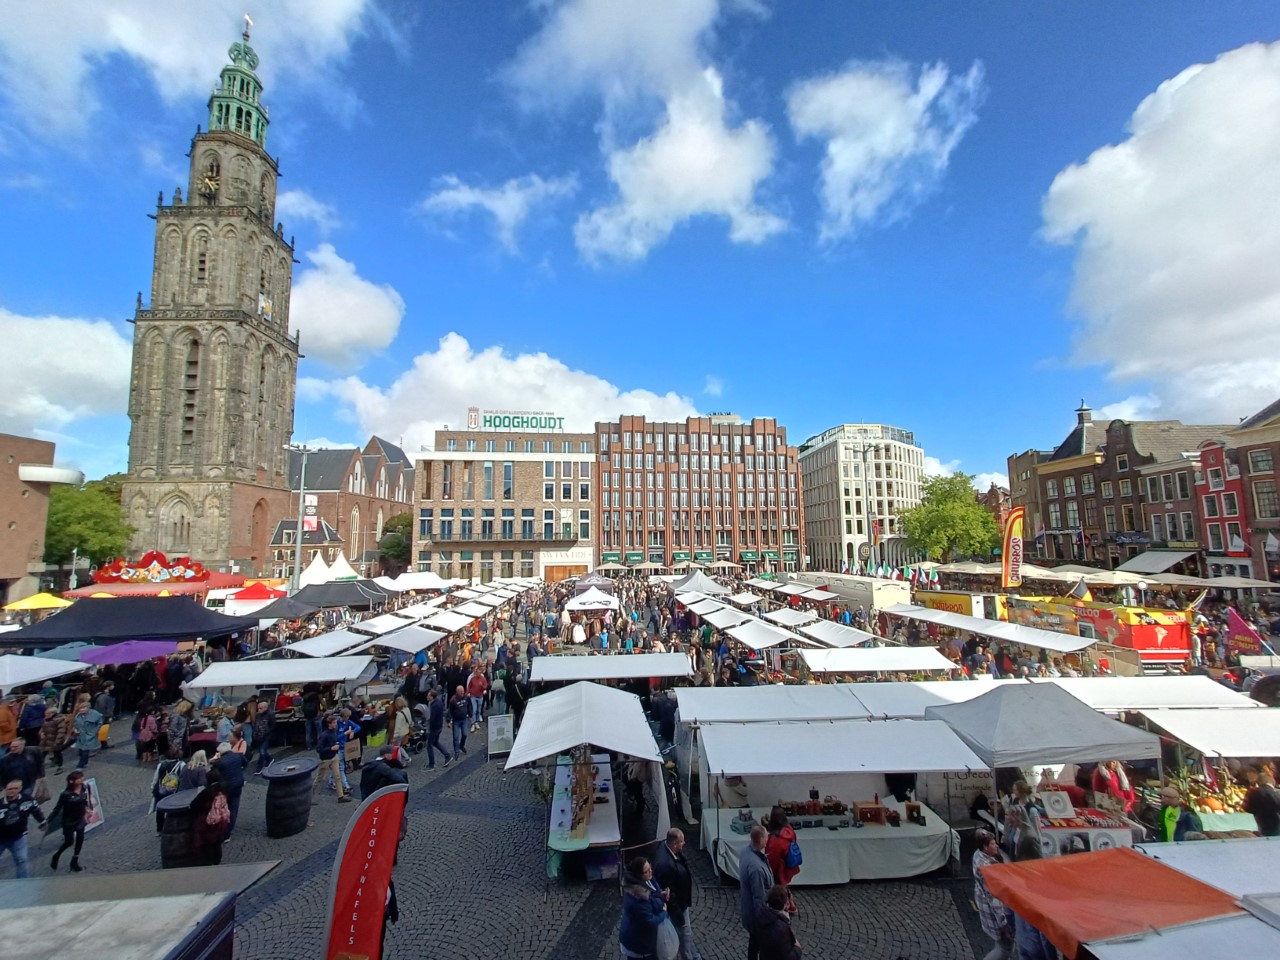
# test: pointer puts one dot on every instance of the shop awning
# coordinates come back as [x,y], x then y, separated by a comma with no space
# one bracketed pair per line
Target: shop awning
[448,621]
[382,624]
[1116,694]
[1000,629]
[912,698]
[815,748]
[875,659]
[821,701]
[17,670]
[1154,561]
[1222,733]
[584,713]
[351,671]
[592,599]
[787,617]
[408,640]
[611,667]
[327,644]
[791,589]
[832,634]
[703,607]
[745,599]
[759,635]
[726,617]
[420,610]
[819,595]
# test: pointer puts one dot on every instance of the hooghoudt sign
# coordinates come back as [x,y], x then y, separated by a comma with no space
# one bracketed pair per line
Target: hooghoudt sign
[478,419]
[361,876]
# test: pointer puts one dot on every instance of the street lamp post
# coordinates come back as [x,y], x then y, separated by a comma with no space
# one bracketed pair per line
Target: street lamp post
[75,558]
[297,537]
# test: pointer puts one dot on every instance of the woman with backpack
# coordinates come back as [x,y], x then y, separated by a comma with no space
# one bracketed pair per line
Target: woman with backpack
[211,819]
[165,782]
[783,852]
[146,728]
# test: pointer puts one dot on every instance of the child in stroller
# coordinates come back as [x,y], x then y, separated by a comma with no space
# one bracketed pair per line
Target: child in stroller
[416,742]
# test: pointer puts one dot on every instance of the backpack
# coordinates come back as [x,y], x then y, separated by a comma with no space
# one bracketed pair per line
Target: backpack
[219,812]
[169,782]
[794,857]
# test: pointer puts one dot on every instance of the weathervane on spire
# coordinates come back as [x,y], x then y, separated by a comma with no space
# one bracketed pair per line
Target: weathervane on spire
[248,22]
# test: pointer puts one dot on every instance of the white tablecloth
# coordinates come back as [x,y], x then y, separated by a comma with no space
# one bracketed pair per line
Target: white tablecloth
[838,856]
[602,827]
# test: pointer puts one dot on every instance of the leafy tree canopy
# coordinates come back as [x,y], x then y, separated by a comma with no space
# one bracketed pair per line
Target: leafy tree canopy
[397,541]
[86,519]
[949,520]
[110,484]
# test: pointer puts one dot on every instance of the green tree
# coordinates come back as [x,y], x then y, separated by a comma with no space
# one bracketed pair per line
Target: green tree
[111,484]
[949,520]
[396,542]
[87,520]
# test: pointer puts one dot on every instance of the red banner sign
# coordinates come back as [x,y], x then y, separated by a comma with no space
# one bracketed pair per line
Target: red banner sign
[361,875]
[1242,637]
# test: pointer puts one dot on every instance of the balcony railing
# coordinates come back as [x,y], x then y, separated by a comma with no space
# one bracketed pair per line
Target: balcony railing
[498,537]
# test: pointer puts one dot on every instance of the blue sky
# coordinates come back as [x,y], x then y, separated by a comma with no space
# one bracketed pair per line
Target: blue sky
[955,218]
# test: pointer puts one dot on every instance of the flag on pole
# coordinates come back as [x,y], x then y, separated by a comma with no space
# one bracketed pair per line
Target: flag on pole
[1081,592]
[1195,604]
[1240,635]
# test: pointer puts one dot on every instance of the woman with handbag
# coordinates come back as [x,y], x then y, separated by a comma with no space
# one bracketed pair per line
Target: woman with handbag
[644,910]
[211,818]
[73,807]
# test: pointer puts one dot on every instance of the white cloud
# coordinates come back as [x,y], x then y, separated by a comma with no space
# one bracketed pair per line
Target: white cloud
[343,317]
[70,369]
[49,50]
[1140,406]
[713,386]
[300,205]
[1177,237]
[889,136]
[635,57]
[508,204]
[324,443]
[443,383]
[933,467]
[982,481]
[693,165]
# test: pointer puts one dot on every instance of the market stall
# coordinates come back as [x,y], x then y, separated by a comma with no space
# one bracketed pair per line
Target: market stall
[107,620]
[831,776]
[246,677]
[875,660]
[1120,694]
[384,623]
[447,621]
[832,634]
[582,827]
[18,671]
[326,644]
[613,667]
[411,639]
[790,617]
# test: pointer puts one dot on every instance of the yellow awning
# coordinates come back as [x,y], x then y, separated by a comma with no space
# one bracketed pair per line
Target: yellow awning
[39,601]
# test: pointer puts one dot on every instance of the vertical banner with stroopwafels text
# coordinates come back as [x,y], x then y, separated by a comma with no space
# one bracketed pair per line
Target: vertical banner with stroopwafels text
[1011,552]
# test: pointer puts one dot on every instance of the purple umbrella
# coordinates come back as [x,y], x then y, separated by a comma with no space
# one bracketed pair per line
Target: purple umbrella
[130,651]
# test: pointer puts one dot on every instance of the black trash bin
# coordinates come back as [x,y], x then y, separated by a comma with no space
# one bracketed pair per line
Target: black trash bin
[177,836]
[289,795]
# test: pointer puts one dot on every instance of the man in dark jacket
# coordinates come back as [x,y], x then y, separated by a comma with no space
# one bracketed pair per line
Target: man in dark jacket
[229,767]
[23,763]
[435,727]
[755,877]
[382,772]
[671,870]
[772,930]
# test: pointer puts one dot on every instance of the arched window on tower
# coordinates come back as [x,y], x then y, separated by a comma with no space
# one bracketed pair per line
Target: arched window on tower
[355,535]
[175,527]
[190,399]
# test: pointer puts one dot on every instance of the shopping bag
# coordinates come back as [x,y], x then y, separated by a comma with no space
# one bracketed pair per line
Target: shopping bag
[376,739]
[668,941]
[352,750]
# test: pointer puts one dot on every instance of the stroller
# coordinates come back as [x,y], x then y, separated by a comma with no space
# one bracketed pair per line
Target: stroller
[416,742]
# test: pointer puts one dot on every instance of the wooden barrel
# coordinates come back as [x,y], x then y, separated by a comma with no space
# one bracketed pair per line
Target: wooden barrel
[177,837]
[289,795]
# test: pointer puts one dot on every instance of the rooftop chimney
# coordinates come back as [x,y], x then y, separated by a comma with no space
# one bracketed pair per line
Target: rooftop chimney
[1083,414]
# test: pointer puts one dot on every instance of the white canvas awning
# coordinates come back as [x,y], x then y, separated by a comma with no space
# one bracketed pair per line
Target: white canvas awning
[833,634]
[420,610]
[726,617]
[584,713]
[1116,694]
[815,748]
[999,629]
[759,583]
[759,635]
[471,609]
[327,644]
[1154,561]
[418,580]
[703,607]
[592,599]
[818,595]
[341,569]
[381,624]
[467,594]
[745,599]
[408,640]
[1222,733]
[351,671]
[786,617]
[822,701]
[448,621]
[875,659]
[791,589]
[912,698]
[317,571]
[16,670]
[611,667]
[490,600]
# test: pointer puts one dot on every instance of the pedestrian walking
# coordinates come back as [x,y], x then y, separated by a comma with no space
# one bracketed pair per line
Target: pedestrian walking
[73,808]
[329,748]
[773,933]
[85,729]
[755,879]
[671,871]
[435,727]
[477,690]
[55,736]
[229,767]
[15,810]
[459,718]
[991,912]
[644,909]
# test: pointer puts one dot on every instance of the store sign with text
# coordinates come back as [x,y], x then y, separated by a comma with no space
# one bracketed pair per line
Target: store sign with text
[478,419]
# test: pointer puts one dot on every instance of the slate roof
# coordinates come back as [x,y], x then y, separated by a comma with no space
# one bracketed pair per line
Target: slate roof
[1085,438]
[324,536]
[326,469]
[1166,440]
[389,450]
[1269,412]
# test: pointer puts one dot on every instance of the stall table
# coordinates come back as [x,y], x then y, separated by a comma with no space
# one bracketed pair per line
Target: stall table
[871,852]
[599,837]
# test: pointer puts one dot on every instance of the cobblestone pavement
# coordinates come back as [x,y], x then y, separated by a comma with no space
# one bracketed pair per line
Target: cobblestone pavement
[471,879]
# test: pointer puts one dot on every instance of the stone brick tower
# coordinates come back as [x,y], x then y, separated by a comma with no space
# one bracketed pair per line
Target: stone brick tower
[214,368]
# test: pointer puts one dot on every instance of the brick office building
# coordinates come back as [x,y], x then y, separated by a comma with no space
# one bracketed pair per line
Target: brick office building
[1222,498]
[710,488]
[1257,444]
[26,473]
[495,503]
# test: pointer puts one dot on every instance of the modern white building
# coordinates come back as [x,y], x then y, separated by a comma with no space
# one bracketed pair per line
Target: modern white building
[857,478]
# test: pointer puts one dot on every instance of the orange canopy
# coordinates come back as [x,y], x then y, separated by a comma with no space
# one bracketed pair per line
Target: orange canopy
[1093,896]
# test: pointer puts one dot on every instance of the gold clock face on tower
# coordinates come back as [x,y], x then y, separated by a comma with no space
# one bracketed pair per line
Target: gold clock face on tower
[209,185]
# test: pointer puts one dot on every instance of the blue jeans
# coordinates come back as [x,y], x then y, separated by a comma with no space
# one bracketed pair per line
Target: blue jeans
[477,709]
[314,726]
[264,757]
[460,735]
[434,745]
[499,701]
[84,758]
[18,848]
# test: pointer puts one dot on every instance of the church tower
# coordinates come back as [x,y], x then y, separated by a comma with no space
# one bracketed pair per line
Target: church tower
[214,368]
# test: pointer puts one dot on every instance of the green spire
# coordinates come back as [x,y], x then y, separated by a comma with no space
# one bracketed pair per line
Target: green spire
[236,104]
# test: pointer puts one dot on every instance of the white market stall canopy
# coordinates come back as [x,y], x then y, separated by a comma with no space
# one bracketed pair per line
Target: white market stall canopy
[834,634]
[875,659]
[745,599]
[467,594]
[326,644]
[418,580]
[471,609]
[826,701]
[420,610]
[1115,694]
[408,640]
[584,713]
[1154,561]
[448,621]
[700,582]
[912,698]
[724,618]
[791,589]
[703,607]
[317,571]
[759,583]
[593,599]
[1023,724]
[351,671]
[786,617]
[16,670]
[1001,630]
[490,600]
[379,625]
[814,748]
[341,569]
[611,667]
[759,635]
[818,595]
[1223,733]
